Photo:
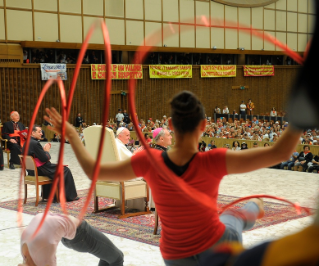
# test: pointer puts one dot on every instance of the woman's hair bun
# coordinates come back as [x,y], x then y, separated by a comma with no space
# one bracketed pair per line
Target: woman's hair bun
[186,111]
[185,103]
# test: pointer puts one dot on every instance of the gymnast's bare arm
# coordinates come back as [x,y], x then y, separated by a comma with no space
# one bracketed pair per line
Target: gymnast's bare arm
[256,158]
[117,171]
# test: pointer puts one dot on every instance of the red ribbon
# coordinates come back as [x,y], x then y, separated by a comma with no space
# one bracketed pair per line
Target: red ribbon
[202,199]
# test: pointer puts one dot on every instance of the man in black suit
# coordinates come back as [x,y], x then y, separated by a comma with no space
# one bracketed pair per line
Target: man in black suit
[42,159]
[14,144]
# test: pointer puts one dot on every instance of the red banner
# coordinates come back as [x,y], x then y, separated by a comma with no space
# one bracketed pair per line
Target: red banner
[259,71]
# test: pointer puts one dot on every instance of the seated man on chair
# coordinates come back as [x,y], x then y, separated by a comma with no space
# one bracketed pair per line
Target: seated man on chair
[42,158]
[9,132]
[123,138]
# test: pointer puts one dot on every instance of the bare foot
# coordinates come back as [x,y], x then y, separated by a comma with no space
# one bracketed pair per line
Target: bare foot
[260,204]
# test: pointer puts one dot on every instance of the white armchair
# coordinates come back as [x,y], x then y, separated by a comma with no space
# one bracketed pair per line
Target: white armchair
[112,189]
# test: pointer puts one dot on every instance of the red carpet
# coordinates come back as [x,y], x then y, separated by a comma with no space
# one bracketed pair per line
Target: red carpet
[140,228]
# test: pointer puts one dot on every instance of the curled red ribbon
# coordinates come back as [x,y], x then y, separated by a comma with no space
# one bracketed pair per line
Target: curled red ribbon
[202,199]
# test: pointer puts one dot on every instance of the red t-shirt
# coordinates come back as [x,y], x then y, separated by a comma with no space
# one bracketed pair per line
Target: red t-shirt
[187,228]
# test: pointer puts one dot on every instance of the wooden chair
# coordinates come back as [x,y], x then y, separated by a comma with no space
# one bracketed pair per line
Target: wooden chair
[35,180]
[3,143]
[115,190]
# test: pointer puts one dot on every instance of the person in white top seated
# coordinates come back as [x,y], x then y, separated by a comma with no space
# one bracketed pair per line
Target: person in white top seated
[122,139]
[80,236]
[273,112]
[225,110]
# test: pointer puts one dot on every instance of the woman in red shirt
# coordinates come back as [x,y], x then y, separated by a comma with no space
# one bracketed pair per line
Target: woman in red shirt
[189,229]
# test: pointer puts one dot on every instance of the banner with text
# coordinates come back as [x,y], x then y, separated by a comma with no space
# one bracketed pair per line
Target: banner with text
[118,71]
[217,71]
[53,71]
[259,71]
[170,71]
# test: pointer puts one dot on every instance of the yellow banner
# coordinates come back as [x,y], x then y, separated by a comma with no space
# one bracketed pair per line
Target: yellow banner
[259,71]
[217,71]
[117,71]
[171,71]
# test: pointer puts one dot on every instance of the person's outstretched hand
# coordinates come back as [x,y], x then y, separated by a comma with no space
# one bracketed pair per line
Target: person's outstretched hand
[55,119]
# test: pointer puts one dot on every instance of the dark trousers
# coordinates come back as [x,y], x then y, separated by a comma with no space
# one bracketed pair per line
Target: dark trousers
[90,240]
[15,150]
[1,158]
[242,114]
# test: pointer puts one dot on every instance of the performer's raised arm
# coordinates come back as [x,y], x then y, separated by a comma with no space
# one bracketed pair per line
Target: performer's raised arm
[253,159]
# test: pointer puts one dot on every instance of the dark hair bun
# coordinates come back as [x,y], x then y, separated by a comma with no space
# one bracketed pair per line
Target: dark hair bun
[186,111]
[185,103]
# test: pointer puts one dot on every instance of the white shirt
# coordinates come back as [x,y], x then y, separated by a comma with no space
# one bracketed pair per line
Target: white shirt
[124,153]
[119,117]
[242,107]
[225,111]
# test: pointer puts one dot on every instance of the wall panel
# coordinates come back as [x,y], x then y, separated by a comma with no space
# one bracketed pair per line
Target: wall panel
[281,21]
[16,30]
[151,27]
[116,31]
[1,2]
[269,19]
[187,10]
[170,10]
[202,37]
[114,8]
[302,23]
[93,8]
[311,23]
[292,41]
[19,3]
[134,9]
[218,37]
[231,39]
[153,10]
[302,6]
[257,43]
[230,15]
[170,39]
[244,40]
[46,32]
[187,36]
[202,9]
[97,36]
[292,5]
[70,6]
[281,4]
[292,22]
[257,17]
[70,28]
[2,25]
[217,13]
[134,32]
[302,42]
[50,5]
[267,45]
[282,38]
[244,16]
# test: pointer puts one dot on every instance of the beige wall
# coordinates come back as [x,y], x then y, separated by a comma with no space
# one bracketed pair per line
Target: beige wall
[130,21]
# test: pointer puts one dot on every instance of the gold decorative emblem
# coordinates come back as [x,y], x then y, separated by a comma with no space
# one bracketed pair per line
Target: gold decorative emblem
[246,3]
